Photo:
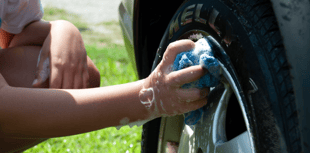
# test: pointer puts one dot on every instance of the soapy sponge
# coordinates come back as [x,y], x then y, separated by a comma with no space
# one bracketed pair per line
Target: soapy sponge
[201,55]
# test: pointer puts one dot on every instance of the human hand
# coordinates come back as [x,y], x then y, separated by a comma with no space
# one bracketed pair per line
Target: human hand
[64,49]
[162,93]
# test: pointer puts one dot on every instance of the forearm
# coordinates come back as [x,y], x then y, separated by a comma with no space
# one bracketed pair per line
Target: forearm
[52,113]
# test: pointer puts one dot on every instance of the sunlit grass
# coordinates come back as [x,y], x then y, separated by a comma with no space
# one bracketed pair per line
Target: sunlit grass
[113,64]
[109,140]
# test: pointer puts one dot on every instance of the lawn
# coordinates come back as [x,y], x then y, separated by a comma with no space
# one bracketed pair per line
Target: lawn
[108,52]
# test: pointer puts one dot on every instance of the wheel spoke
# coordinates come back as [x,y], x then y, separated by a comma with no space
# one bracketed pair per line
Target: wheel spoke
[187,139]
[240,144]
[211,129]
[220,116]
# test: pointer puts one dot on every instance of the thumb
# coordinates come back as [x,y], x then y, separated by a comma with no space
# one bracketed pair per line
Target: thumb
[43,70]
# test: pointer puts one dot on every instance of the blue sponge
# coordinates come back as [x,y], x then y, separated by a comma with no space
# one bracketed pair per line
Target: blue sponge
[200,55]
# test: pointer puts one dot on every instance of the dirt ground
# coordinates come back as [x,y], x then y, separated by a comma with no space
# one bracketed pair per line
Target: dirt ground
[92,11]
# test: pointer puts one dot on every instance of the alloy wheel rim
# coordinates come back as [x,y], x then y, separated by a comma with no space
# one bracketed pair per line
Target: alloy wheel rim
[209,134]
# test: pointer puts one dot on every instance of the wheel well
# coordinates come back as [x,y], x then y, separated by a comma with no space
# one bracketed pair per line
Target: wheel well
[150,23]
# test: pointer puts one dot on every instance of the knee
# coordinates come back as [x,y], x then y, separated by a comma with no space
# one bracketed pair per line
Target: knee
[94,74]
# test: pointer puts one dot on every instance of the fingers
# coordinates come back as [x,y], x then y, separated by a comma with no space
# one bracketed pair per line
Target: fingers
[69,77]
[81,78]
[73,78]
[68,80]
[86,79]
[192,94]
[175,48]
[186,75]
[56,77]
[86,74]
[195,105]
[78,81]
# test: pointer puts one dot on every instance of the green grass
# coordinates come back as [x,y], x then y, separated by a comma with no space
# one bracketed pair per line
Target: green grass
[113,64]
[109,140]
[110,57]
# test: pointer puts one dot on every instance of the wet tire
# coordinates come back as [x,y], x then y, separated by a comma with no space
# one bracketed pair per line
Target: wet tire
[249,34]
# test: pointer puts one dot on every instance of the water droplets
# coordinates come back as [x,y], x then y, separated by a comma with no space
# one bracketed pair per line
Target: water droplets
[157,83]
[175,112]
[159,74]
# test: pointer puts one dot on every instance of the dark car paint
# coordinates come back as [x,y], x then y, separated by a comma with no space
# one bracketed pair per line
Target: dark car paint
[144,22]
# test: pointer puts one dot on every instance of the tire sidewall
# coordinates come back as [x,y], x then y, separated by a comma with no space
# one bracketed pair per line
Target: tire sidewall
[233,31]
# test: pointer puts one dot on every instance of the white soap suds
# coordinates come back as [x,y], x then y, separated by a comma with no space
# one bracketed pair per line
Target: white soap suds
[169,69]
[147,97]
[157,83]
[201,46]
[137,123]
[124,121]
[162,106]
[45,73]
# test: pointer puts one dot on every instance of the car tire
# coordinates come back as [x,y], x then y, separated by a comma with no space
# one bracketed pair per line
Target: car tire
[248,42]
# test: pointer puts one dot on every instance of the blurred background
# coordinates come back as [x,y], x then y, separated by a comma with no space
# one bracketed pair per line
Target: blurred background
[98,23]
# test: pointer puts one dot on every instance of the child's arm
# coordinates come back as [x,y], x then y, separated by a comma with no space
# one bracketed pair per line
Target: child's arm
[62,43]
[48,113]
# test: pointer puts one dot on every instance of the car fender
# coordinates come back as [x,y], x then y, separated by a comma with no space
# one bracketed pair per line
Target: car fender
[294,22]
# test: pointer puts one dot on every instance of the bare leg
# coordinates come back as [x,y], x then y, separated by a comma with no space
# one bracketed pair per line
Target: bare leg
[18,67]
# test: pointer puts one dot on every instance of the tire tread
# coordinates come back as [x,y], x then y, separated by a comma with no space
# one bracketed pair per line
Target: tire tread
[264,21]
